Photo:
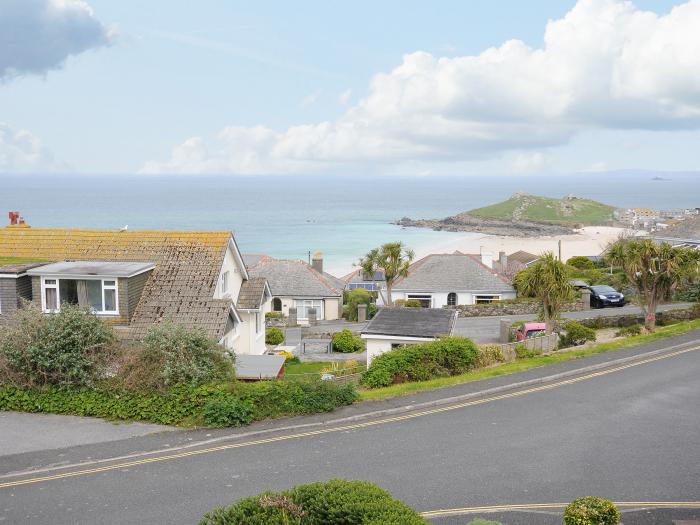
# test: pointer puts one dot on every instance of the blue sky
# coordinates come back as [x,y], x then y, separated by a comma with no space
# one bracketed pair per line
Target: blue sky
[224,87]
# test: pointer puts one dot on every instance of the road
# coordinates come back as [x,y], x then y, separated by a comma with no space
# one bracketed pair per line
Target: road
[629,433]
[486,329]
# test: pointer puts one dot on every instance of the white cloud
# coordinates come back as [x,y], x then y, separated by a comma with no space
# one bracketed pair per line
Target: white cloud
[21,151]
[39,35]
[344,97]
[604,65]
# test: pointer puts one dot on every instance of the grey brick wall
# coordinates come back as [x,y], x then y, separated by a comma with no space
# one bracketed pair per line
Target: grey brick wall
[134,289]
[8,296]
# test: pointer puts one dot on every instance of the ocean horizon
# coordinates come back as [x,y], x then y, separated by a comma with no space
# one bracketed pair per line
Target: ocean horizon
[293,216]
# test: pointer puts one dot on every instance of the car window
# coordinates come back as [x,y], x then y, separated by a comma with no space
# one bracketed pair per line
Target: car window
[603,289]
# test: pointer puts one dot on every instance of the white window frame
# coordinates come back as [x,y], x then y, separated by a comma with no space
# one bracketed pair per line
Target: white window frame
[494,298]
[420,297]
[56,286]
[224,283]
[320,309]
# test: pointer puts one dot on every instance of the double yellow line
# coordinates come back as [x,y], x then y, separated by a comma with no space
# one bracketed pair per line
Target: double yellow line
[343,428]
[556,506]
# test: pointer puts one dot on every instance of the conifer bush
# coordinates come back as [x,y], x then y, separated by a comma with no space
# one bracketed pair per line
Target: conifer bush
[274,336]
[591,510]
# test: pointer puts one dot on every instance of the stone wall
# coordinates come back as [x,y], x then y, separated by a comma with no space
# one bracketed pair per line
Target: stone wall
[667,317]
[507,308]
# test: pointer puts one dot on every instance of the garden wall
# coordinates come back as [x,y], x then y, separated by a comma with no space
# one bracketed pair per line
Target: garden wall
[616,321]
[508,308]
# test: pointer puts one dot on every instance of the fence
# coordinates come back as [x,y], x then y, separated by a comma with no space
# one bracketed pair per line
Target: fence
[540,344]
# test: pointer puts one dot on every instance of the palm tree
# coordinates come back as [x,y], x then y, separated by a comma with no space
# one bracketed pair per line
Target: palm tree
[393,259]
[546,280]
[655,270]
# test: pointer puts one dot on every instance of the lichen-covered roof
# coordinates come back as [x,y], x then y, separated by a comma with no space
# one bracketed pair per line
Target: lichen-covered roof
[251,294]
[454,272]
[412,322]
[181,287]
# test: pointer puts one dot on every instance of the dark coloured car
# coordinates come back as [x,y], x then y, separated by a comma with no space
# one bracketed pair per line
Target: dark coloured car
[603,295]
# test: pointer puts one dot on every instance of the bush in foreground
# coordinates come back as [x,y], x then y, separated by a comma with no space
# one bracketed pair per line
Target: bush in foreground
[490,355]
[69,347]
[332,502]
[629,331]
[444,357]
[591,511]
[274,336]
[174,355]
[347,342]
[576,334]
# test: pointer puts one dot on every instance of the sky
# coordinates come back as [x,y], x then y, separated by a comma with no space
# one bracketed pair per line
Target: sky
[379,88]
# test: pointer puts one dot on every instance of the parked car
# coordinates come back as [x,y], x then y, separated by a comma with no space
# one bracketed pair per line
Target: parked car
[529,330]
[603,295]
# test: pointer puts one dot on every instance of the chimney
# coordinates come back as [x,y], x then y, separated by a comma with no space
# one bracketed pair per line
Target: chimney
[317,262]
[14,218]
[487,259]
[503,259]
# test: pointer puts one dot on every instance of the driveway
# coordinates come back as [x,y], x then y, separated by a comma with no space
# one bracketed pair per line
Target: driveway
[20,432]
[486,329]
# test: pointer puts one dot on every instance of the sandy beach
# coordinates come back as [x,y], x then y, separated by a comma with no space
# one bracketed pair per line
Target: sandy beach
[590,240]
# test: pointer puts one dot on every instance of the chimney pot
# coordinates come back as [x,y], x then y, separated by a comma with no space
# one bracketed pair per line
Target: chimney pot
[317,262]
[14,218]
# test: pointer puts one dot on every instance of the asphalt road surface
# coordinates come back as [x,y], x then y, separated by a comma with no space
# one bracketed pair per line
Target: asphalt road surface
[486,329]
[631,434]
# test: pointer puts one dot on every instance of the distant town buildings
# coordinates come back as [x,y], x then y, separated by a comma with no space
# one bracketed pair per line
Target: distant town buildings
[652,220]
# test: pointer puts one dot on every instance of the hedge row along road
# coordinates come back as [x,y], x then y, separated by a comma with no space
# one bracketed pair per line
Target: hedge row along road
[629,433]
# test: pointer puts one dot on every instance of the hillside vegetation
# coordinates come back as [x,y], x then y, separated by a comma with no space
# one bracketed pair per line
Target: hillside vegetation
[568,210]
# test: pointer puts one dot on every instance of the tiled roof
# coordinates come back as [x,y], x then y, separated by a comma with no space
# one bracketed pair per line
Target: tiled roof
[412,322]
[251,259]
[452,273]
[18,267]
[251,295]
[183,282]
[522,257]
[296,279]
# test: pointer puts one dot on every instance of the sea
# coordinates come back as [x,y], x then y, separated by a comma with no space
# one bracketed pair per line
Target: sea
[295,216]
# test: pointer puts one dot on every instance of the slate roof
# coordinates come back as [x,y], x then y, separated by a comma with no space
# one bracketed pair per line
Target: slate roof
[295,278]
[452,273]
[181,287]
[412,322]
[522,257]
[252,293]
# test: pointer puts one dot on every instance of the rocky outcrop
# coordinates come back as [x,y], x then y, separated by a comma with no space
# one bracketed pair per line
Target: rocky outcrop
[463,222]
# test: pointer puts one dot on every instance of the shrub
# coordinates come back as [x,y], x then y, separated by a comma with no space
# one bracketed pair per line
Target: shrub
[274,336]
[444,357]
[489,355]
[70,347]
[523,352]
[629,331]
[274,315]
[354,298]
[581,263]
[591,511]
[326,503]
[288,356]
[347,342]
[182,404]
[576,334]
[227,412]
[372,310]
[187,356]
[408,303]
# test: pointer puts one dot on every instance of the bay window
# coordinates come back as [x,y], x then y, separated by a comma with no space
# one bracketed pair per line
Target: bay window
[100,295]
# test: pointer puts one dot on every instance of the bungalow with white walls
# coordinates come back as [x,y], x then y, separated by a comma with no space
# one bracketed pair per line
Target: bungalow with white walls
[395,327]
[135,279]
[441,280]
[296,284]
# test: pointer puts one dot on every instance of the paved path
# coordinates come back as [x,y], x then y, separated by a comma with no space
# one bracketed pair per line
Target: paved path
[630,433]
[20,432]
[486,329]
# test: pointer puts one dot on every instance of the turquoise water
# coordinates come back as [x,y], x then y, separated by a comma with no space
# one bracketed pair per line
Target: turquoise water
[290,216]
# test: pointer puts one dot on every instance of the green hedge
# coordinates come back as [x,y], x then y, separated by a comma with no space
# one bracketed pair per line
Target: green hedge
[274,336]
[213,404]
[333,502]
[576,334]
[444,357]
[347,342]
[590,510]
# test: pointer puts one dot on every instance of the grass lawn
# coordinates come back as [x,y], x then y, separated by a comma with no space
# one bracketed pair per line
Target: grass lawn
[313,367]
[520,365]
